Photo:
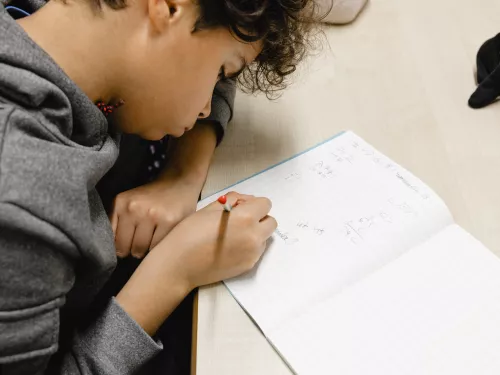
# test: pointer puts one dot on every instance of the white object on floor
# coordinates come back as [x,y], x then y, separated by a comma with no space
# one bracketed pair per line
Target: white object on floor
[341,11]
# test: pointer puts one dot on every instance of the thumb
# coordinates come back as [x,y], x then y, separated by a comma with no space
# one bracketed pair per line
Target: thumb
[232,198]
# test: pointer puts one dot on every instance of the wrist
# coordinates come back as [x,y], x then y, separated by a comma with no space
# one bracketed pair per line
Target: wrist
[194,176]
[153,292]
[190,156]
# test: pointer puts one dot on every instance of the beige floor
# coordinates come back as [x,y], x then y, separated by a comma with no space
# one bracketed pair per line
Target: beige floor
[400,78]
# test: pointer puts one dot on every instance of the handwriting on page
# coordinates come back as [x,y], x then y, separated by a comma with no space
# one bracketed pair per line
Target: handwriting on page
[376,158]
[286,237]
[348,155]
[355,230]
[340,155]
[290,239]
[412,187]
[293,176]
[334,165]
[319,168]
[312,228]
[323,169]
[358,229]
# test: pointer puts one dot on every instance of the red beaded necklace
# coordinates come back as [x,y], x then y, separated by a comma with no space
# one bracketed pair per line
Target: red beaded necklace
[108,109]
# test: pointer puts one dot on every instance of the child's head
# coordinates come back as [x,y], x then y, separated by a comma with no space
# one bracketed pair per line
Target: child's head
[172,52]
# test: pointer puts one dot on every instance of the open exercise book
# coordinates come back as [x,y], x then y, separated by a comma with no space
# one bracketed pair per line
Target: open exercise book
[367,272]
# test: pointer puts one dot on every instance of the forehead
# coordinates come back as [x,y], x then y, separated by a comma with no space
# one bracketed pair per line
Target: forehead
[232,48]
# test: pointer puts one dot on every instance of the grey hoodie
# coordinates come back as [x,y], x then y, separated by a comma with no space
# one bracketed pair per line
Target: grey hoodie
[56,243]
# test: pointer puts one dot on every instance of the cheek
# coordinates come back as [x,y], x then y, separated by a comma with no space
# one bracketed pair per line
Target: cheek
[168,95]
[156,113]
[146,117]
[193,90]
[197,71]
[185,87]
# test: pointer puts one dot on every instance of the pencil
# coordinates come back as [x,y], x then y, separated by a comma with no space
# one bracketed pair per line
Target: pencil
[225,203]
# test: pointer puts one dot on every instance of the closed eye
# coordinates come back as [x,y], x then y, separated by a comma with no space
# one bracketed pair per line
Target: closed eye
[224,75]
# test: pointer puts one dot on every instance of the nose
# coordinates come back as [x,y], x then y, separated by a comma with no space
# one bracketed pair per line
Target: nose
[205,112]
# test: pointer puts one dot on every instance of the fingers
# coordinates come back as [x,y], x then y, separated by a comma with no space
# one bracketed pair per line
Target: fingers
[124,236]
[267,226]
[159,234]
[142,239]
[232,198]
[137,239]
[138,228]
[256,207]
[235,198]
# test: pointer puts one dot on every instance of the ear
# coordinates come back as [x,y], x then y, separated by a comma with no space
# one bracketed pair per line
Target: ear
[163,12]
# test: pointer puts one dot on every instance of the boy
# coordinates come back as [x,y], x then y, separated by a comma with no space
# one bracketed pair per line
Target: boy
[162,58]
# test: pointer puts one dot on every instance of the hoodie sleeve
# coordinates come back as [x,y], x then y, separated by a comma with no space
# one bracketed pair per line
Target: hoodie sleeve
[222,106]
[42,199]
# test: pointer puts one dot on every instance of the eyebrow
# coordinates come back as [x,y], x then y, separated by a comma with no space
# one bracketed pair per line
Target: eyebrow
[244,65]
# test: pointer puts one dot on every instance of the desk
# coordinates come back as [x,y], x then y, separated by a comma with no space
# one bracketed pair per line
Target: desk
[399,77]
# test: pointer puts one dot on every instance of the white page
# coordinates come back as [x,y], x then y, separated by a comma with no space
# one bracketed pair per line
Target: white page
[344,210]
[433,311]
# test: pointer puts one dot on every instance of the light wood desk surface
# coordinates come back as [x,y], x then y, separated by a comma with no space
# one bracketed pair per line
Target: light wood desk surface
[399,77]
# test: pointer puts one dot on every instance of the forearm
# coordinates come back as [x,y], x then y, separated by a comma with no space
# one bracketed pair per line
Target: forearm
[146,300]
[190,156]
[189,160]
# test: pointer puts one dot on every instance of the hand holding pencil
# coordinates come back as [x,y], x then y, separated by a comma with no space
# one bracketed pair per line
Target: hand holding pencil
[215,247]
[207,247]
[226,204]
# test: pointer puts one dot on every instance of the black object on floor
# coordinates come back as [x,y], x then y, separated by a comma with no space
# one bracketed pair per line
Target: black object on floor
[488,74]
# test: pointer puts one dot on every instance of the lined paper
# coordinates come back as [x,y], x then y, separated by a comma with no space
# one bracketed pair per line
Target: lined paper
[344,210]
[433,311]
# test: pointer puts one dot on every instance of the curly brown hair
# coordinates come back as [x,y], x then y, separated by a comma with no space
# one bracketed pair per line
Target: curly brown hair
[285,28]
